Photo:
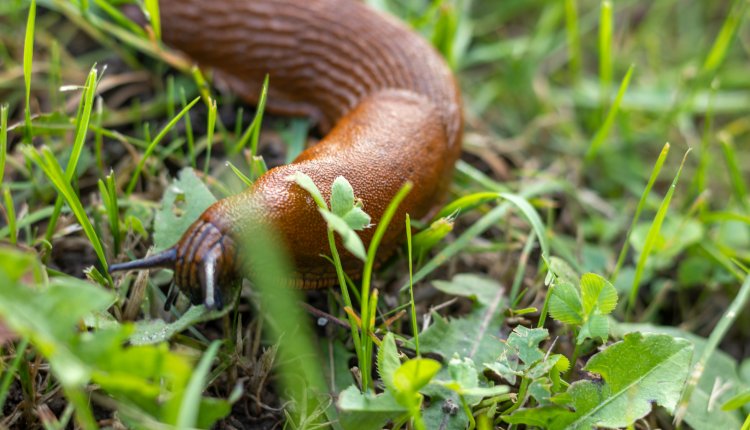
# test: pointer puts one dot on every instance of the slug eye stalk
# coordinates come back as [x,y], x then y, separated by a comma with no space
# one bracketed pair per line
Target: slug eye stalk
[203,262]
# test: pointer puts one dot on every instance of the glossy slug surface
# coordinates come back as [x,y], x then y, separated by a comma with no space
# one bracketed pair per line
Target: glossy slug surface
[388,102]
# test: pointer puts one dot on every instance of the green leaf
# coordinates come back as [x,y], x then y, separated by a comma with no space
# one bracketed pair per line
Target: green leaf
[414,374]
[154,331]
[737,401]
[308,185]
[596,326]
[342,196]
[474,336]
[636,372]
[702,412]
[349,237]
[183,202]
[465,381]
[563,271]
[481,289]
[565,304]
[426,239]
[388,360]
[367,411]
[597,294]
[526,343]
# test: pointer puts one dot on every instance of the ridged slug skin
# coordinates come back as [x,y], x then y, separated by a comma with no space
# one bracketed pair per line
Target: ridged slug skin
[387,100]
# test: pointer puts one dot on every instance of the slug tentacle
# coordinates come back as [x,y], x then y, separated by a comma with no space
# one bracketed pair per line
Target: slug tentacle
[203,262]
[164,260]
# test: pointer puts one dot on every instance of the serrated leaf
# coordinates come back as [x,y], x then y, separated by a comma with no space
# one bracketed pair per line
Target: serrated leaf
[474,336]
[342,196]
[636,372]
[597,294]
[388,360]
[183,202]
[565,304]
[349,237]
[526,342]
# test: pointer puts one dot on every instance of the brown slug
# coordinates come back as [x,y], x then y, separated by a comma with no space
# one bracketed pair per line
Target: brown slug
[389,104]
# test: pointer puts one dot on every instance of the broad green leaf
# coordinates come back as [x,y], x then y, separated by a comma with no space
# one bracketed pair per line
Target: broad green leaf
[565,304]
[481,289]
[183,202]
[702,412]
[465,381]
[526,342]
[157,330]
[414,374]
[388,360]
[597,294]
[636,372]
[367,411]
[475,336]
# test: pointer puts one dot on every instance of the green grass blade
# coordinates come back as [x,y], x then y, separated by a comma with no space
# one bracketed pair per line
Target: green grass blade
[385,220]
[414,328]
[652,236]
[28,59]
[246,180]
[189,131]
[191,401]
[641,204]
[605,52]
[734,310]
[3,139]
[11,370]
[573,40]
[210,134]
[82,124]
[54,172]
[253,130]
[725,37]
[480,226]
[152,145]
[108,191]
[10,213]
[739,189]
[604,130]
[152,7]
[533,218]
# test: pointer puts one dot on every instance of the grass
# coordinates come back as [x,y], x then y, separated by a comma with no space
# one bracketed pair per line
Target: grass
[557,167]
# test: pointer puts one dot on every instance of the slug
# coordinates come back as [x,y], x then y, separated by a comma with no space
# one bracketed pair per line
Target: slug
[388,102]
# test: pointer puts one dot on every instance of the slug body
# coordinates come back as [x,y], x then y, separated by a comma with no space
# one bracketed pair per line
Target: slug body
[389,104]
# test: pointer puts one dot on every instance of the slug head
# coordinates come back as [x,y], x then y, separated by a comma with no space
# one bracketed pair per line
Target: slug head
[203,261]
